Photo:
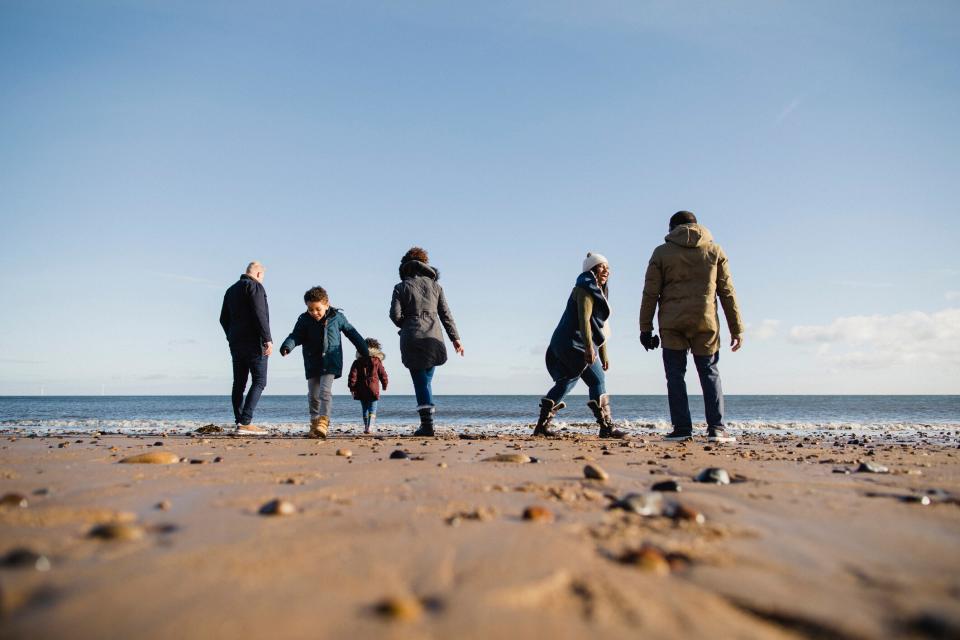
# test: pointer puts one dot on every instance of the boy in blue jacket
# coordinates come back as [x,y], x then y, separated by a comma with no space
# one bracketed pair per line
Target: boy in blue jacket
[318,331]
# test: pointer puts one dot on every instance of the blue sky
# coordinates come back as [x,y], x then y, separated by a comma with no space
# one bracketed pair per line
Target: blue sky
[149,150]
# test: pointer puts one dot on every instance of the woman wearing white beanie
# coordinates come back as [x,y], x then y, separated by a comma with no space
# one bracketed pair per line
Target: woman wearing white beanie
[578,340]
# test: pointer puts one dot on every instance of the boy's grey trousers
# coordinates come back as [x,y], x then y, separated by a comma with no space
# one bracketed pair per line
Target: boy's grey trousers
[320,395]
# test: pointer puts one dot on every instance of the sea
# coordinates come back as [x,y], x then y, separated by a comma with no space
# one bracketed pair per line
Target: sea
[934,417]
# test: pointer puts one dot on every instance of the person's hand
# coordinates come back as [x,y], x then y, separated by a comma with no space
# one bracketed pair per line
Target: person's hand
[284,351]
[589,357]
[649,341]
[736,342]
[458,347]
[268,349]
[606,365]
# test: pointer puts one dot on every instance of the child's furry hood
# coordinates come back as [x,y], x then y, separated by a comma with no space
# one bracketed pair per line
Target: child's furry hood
[374,353]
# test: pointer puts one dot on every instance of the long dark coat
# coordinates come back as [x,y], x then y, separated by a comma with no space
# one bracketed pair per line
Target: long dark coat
[419,308]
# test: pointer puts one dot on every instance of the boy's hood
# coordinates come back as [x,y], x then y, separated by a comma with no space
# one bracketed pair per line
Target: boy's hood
[417,268]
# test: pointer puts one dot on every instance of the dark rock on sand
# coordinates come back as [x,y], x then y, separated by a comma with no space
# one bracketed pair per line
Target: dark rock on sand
[647,558]
[118,531]
[667,485]
[23,558]
[714,475]
[15,500]
[398,454]
[679,511]
[872,467]
[278,507]
[209,429]
[400,609]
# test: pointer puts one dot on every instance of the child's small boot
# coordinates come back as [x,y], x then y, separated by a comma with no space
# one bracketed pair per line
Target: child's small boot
[370,420]
[601,411]
[318,427]
[426,422]
[547,411]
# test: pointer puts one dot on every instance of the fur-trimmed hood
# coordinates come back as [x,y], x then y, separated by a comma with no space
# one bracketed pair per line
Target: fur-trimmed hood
[374,353]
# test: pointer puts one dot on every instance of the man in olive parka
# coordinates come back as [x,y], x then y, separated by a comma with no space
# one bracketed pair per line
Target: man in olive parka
[685,276]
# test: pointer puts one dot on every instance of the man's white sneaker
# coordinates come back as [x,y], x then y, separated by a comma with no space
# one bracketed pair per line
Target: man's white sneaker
[719,435]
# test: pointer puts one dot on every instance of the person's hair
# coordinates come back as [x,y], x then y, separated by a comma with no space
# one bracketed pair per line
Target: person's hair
[316,294]
[253,267]
[373,343]
[415,253]
[682,217]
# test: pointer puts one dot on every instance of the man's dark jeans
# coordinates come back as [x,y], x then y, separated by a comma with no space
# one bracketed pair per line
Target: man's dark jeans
[675,366]
[247,364]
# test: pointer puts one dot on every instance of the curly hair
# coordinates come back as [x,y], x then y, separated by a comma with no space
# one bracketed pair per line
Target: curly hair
[316,294]
[415,253]
[373,343]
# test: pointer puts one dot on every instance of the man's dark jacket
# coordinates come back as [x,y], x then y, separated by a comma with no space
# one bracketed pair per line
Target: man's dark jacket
[245,316]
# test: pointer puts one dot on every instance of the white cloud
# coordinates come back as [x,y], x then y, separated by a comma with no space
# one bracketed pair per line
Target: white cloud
[952,295]
[883,341]
[765,330]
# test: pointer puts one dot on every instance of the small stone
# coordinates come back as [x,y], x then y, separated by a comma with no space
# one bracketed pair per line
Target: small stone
[118,531]
[647,558]
[154,457]
[43,491]
[402,609]
[278,507]
[23,558]
[594,472]
[517,458]
[158,444]
[442,465]
[399,455]
[344,453]
[218,459]
[682,512]
[537,513]
[198,461]
[714,475]
[643,504]
[667,485]
[163,505]
[15,500]
[922,500]
[872,467]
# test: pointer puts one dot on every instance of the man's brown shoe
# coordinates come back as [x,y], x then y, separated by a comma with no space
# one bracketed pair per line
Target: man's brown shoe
[251,430]
[318,427]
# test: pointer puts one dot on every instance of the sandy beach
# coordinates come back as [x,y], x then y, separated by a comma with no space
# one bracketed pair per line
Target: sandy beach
[445,542]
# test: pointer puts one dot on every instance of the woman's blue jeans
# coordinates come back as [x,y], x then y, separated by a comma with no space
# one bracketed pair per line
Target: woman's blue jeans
[422,386]
[593,376]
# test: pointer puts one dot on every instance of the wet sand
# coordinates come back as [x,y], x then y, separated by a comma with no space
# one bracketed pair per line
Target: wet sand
[436,544]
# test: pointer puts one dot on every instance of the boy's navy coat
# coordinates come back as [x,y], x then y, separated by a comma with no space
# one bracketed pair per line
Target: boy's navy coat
[322,347]
[245,316]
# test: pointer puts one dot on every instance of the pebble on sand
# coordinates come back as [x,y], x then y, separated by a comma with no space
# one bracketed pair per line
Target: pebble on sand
[594,472]
[679,511]
[14,500]
[163,505]
[667,485]
[536,513]
[517,458]
[209,429]
[648,558]
[278,507]
[345,453]
[714,475]
[644,504]
[118,531]
[23,558]
[401,609]
[154,457]
[872,467]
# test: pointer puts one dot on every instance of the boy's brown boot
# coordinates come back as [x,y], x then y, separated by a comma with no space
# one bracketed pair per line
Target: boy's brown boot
[318,427]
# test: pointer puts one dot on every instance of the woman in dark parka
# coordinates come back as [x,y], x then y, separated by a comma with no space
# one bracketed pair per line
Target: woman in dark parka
[578,340]
[419,308]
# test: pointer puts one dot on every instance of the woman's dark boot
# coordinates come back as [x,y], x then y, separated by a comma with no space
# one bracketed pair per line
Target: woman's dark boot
[547,411]
[426,423]
[601,411]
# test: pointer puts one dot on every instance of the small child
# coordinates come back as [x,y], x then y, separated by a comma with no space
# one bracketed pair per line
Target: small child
[318,330]
[366,375]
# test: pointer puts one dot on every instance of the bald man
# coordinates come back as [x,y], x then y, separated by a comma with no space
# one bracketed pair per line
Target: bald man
[245,318]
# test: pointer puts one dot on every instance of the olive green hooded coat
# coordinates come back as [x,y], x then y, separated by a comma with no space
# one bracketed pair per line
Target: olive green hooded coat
[685,276]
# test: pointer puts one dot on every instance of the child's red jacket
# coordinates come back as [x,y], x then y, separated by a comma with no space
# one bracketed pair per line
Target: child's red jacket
[366,376]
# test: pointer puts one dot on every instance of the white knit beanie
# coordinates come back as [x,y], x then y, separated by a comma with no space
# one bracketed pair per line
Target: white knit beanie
[592,260]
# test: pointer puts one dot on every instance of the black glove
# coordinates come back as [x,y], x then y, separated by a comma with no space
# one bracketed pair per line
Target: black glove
[648,340]
[284,351]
